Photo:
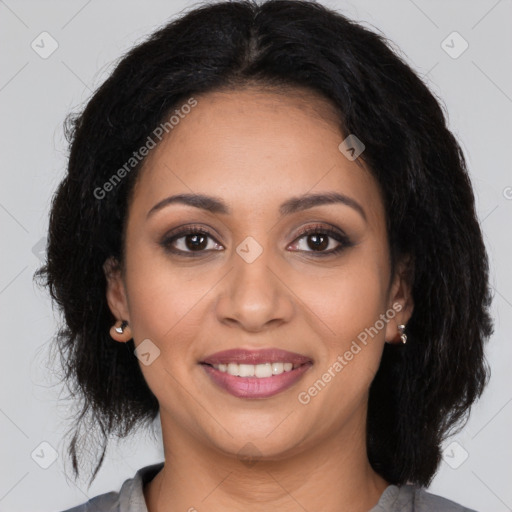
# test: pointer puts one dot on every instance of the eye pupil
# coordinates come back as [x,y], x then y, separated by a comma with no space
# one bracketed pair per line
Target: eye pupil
[192,242]
[319,245]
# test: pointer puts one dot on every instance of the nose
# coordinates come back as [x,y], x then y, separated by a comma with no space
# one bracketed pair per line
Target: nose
[254,295]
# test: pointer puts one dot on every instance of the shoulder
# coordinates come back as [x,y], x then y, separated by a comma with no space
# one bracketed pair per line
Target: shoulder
[412,498]
[102,503]
[427,501]
[130,498]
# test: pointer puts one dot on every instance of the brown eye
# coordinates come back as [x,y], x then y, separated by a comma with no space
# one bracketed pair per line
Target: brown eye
[196,241]
[320,238]
[318,242]
[190,240]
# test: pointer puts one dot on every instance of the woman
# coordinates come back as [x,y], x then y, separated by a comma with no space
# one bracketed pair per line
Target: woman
[267,235]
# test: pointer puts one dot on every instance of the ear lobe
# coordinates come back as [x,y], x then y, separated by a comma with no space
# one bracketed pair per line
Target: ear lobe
[400,298]
[115,289]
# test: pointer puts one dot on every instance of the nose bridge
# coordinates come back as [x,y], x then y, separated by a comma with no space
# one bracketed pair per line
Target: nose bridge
[253,295]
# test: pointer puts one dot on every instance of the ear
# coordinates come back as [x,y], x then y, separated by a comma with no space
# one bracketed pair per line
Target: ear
[116,295]
[400,298]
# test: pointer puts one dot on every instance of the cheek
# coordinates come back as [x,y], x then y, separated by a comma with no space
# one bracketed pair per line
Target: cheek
[163,296]
[351,351]
[165,307]
[348,300]
[349,304]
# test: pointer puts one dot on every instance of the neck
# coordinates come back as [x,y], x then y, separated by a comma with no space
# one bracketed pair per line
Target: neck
[334,476]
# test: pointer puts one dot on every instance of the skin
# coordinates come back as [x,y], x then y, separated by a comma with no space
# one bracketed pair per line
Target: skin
[255,149]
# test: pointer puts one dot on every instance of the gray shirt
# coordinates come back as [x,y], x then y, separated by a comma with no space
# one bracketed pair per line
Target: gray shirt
[404,498]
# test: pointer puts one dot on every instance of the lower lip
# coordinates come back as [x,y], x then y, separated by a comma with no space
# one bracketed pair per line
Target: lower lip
[253,387]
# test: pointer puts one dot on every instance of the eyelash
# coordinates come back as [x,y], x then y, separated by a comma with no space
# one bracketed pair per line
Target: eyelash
[317,229]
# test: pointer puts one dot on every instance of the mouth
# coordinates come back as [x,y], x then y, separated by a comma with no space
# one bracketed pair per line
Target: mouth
[255,374]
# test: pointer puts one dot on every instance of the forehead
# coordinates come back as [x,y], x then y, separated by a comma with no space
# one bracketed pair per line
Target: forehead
[255,149]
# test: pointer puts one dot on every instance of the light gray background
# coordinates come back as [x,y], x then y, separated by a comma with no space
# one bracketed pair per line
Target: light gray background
[37,93]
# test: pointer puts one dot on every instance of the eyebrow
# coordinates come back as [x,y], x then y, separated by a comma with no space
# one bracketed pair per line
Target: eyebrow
[292,205]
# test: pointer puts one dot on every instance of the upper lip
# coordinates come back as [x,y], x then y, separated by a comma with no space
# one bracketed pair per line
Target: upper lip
[267,355]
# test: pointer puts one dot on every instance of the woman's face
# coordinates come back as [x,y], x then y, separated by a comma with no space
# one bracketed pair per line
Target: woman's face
[255,281]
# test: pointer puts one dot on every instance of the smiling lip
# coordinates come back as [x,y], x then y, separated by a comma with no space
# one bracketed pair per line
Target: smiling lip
[254,387]
[269,355]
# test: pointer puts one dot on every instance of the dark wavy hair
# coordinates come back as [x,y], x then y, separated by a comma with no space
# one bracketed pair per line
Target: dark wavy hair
[422,390]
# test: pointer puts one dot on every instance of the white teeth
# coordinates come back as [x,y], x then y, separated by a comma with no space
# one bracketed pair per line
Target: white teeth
[277,368]
[246,370]
[254,370]
[263,370]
